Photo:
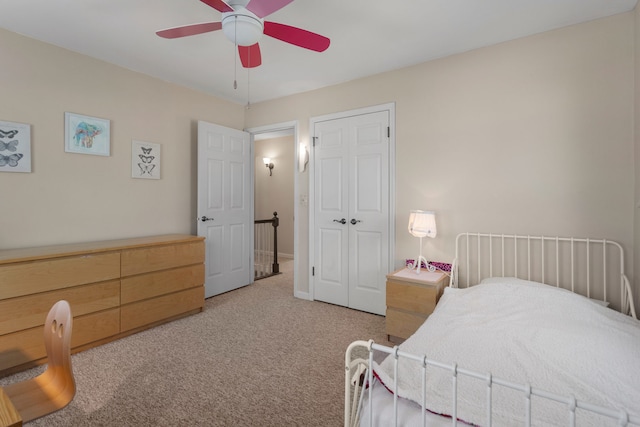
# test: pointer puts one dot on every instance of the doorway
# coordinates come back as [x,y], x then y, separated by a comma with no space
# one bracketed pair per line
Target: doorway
[275,188]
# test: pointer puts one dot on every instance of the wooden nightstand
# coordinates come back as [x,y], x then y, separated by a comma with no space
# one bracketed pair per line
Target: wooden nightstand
[411,298]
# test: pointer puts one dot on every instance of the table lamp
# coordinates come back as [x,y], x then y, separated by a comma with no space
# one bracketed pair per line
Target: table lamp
[422,224]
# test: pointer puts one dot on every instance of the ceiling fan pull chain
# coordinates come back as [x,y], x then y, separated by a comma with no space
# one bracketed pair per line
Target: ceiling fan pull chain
[235,62]
[248,81]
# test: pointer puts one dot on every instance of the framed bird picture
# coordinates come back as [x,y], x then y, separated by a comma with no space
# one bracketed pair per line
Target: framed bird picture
[145,160]
[15,147]
[87,135]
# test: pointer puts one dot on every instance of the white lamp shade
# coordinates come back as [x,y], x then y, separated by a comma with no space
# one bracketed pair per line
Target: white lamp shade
[266,160]
[422,224]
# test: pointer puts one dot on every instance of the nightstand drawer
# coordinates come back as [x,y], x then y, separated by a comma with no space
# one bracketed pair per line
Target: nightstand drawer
[403,324]
[415,298]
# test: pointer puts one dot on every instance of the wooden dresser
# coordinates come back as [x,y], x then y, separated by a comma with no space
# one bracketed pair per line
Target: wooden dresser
[115,288]
[411,298]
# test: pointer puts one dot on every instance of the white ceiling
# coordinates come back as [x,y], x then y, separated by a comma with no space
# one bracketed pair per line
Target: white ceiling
[367,37]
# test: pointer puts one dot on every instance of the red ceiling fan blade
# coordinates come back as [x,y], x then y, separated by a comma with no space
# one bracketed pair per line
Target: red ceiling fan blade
[189,30]
[250,56]
[218,5]
[262,8]
[296,36]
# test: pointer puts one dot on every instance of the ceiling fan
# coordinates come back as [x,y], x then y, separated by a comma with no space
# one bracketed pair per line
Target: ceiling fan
[243,24]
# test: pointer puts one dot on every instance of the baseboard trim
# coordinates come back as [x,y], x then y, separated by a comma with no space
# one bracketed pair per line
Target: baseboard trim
[302,295]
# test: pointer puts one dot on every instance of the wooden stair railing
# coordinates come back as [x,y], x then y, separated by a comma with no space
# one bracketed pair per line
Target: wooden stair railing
[266,247]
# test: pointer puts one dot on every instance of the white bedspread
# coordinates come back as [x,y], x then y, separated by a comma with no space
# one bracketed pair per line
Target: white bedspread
[523,332]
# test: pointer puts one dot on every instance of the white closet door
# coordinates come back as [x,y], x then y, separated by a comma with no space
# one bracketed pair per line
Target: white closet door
[331,236]
[368,204]
[351,164]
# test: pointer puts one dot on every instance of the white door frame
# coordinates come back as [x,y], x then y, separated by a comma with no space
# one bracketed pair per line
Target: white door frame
[296,238]
[391,107]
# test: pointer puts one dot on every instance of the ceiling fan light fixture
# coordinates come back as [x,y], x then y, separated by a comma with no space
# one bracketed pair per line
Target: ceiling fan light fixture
[241,27]
[242,23]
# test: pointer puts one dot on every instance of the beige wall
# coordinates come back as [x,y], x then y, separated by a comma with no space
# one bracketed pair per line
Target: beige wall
[75,197]
[533,136]
[275,193]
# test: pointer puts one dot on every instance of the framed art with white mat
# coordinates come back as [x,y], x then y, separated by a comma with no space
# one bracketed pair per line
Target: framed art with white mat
[15,147]
[87,135]
[145,160]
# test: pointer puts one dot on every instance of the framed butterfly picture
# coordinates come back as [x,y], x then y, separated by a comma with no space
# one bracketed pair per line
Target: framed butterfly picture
[145,160]
[15,147]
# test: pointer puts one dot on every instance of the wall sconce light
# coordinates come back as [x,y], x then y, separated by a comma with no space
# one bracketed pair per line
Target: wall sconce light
[422,224]
[267,163]
[303,157]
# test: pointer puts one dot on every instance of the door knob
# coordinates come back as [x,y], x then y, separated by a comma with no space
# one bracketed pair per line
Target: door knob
[355,221]
[204,218]
[341,221]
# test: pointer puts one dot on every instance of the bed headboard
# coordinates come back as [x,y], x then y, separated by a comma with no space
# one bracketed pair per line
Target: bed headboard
[589,267]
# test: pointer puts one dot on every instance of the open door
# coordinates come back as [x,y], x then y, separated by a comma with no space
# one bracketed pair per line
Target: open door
[225,208]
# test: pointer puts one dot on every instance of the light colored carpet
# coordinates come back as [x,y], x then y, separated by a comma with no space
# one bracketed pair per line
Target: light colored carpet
[256,356]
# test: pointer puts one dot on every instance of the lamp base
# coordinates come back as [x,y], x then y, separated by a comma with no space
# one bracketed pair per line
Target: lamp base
[429,267]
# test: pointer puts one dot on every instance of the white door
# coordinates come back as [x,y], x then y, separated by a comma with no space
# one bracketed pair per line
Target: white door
[331,231]
[225,213]
[351,231]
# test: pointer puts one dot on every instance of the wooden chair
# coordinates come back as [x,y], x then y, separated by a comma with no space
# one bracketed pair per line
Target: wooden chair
[55,387]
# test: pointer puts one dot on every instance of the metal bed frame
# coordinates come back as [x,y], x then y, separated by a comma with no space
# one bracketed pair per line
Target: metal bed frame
[559,261]
[358,374]
[590,267]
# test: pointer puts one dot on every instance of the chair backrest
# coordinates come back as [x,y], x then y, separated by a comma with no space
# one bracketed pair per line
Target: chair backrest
[57,336]
[55,387]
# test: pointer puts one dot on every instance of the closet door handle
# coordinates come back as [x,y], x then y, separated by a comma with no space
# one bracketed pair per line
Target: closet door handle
[341,221]
[204,218]
[355,221]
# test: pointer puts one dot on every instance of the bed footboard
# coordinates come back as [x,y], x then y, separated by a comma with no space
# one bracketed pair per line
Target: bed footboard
[358,376]
[356,369]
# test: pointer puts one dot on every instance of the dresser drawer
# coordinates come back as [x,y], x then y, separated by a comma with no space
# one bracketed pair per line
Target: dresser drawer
[149,311]
[30,311]
[151,285]
[415,298]
[95,327]
[144,260]
[28,278]
[27,346]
